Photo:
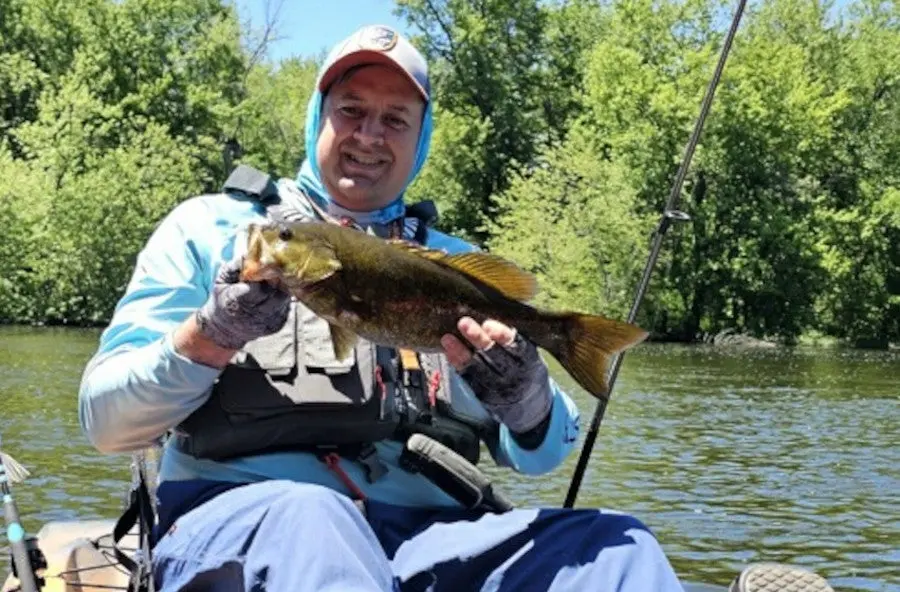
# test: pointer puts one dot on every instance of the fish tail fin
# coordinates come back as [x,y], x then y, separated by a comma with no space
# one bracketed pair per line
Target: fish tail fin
[16,472]
[587,346]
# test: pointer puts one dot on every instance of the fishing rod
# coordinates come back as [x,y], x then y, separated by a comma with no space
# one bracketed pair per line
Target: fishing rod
[12,472]
[670,214]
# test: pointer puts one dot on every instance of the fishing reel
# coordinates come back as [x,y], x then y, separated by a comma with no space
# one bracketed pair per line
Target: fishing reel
[669,216]
[36,560]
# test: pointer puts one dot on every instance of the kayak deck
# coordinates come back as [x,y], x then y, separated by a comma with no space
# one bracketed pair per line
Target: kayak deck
[79,557]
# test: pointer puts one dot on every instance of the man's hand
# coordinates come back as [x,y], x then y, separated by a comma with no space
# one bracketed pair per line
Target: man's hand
[506,372]
[237,312]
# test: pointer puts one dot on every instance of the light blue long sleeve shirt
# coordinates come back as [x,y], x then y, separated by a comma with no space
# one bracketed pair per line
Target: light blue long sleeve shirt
[137,387]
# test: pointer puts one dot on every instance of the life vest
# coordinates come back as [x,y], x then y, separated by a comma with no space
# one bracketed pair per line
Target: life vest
[287,391]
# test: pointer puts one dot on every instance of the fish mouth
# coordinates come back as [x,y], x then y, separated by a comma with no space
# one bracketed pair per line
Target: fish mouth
[255,271]
[258,264]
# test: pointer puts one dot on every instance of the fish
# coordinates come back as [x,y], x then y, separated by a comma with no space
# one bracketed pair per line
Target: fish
[400,294]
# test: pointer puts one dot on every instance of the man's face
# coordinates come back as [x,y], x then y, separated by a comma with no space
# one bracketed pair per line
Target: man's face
[368,136]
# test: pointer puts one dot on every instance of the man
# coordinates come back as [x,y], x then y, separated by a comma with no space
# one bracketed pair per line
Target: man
[239,374]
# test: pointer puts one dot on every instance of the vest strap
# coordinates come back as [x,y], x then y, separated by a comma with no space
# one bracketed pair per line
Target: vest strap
[247,179]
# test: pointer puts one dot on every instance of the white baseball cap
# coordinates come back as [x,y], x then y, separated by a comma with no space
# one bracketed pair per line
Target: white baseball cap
[376,44]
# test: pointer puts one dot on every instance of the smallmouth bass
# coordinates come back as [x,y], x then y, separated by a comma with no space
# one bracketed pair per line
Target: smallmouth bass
[400,294]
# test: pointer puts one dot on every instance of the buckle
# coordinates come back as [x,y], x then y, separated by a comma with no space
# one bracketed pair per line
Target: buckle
[368,457]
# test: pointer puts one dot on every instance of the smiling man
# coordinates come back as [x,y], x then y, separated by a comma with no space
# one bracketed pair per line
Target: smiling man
[371,121]
[287,469]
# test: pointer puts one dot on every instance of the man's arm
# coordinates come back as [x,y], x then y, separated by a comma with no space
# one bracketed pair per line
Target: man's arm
[558,441]
[134,396]
[190,341]
[536,452]
[143,381]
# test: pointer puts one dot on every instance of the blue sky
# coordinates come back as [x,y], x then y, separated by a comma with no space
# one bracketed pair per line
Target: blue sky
[306,27]
[309,27]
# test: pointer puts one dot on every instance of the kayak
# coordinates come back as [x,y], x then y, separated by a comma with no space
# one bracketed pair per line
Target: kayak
[79,557]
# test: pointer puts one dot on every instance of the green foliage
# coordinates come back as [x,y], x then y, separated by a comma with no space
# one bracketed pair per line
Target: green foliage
[273,115]
[23,210]
[771,163]
[123,194]
[587,206]
[457,153]
[858,215]
[494,67]
[119,114]
[559,127]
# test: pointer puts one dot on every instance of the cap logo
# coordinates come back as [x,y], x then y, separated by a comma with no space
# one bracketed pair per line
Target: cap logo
[378,38]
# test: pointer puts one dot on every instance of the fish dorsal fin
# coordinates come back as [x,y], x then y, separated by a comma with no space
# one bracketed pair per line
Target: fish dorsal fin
[501,274]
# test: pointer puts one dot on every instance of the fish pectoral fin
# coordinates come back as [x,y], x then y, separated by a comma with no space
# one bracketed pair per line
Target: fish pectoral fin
[255,241]
[501,274]
[343,340]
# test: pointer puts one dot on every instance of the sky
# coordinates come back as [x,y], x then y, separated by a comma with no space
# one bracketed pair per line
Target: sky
[309,27]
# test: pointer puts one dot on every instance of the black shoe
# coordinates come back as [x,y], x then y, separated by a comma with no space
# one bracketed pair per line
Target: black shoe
[774,577]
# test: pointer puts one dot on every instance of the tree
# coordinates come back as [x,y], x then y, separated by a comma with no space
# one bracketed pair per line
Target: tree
[859,209]
[272,117]
[134,98]
[588,206]
[493,68]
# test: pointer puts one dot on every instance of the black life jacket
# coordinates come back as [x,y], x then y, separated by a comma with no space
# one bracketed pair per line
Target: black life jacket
[286,391]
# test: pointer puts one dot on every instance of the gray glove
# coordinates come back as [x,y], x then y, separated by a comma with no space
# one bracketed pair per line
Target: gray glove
[513,383]
[237,312]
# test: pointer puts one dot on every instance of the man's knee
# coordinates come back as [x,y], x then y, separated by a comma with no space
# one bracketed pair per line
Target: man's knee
[588,532]
[618,522]
[610,551]
[309,497]
[296,506]
[621,529]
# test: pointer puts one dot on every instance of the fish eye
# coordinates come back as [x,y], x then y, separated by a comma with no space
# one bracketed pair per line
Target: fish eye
[285,234]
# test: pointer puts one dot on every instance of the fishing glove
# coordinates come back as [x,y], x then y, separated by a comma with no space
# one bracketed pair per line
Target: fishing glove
[513,383]
[237,312]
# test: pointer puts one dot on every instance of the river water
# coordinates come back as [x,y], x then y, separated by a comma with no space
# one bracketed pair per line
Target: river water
[729,455]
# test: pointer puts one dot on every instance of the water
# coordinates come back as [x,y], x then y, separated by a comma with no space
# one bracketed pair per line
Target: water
[729,455]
